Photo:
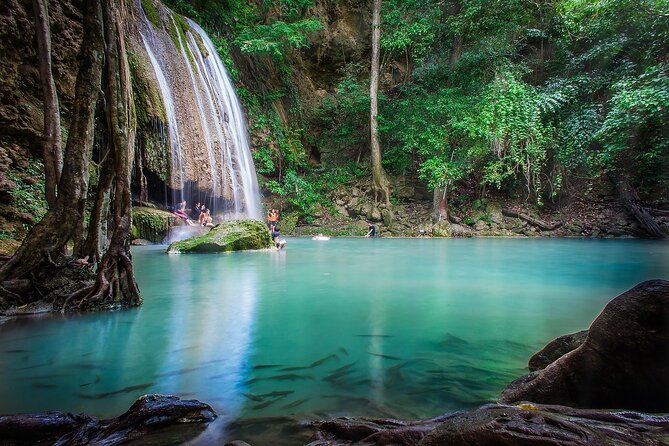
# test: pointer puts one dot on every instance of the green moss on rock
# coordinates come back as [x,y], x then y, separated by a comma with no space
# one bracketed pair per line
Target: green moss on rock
[151,224]
[152,13]
[238,235]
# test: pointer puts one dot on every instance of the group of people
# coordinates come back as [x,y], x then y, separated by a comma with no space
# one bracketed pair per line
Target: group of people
[199,213]
[273,223]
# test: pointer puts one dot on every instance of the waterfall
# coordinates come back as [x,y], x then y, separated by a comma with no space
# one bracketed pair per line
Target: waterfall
[172,124]
[208,142]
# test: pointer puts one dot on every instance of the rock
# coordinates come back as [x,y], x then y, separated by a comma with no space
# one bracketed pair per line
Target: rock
[556,348]
[624,361]
[495,211]
[374,214]
[493,424]
[148,413]
[237,235]
[480,225]
[140,242]
[237,443]
[387,217]
[152,224]
[528,424]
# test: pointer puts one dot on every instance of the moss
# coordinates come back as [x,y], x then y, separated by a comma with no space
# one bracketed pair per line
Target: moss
[151,224]
[239,235]
[152,13]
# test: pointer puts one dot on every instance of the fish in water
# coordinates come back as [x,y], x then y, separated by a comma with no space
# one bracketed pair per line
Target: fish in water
[374,336]
[277,394]
[99,396]
[345,367]
[86,366]
[290,377]
[336,376]
[290,369]
[43,386]
[18,351]
[253,397]
[394,358]
[343,350]
[178,372]
[265,366]
[48,363]
[263,405]
[295,403]
[322,360]
[184,349]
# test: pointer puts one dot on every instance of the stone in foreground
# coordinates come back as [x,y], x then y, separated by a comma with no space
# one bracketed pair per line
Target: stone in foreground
[237,235]
[148,414]
[493,424]
[623,362]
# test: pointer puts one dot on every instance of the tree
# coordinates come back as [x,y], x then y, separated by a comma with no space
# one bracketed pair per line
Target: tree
[380,184]
[51,135]
[40,258]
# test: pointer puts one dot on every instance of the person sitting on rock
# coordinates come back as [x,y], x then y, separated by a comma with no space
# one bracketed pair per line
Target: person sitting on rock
[197,211]
[181,211]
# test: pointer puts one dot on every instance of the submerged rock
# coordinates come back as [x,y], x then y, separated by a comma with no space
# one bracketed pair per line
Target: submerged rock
[147,414]
[623,363]
[237,235]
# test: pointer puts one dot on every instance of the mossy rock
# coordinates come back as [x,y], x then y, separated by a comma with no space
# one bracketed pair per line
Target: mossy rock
[237,235]
[151,224]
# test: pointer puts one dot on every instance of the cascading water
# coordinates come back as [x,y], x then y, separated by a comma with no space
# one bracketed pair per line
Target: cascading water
[172,126]
[210,156]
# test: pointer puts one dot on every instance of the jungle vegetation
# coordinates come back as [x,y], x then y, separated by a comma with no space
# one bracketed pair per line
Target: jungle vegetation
[522,96]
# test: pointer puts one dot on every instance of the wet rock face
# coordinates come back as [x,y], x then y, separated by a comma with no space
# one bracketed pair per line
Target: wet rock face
[623,363]
[238,235]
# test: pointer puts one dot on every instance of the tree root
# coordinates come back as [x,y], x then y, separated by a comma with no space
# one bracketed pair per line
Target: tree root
[533,221]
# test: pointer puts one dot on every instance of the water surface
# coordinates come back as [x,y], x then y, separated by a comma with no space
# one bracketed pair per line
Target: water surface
[385,327]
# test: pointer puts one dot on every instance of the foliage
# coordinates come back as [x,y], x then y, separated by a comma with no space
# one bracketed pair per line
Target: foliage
[276,38]
[536,93]
[28,193]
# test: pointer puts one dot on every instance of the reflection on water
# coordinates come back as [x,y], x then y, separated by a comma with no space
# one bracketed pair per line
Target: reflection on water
[401,328]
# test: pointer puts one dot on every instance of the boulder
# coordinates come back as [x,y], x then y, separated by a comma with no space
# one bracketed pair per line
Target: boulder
[152,224]
[236,235]
[623,362]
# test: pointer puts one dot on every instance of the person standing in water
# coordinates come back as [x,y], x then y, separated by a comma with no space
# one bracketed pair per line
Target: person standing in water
[371,230]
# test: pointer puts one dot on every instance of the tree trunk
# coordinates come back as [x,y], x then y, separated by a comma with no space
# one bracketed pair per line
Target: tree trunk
[48,238]
[115,283]
[93,246]
[380,184]
[440,195]
[632,202]
[456,51]
[51,135]
[440,204]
